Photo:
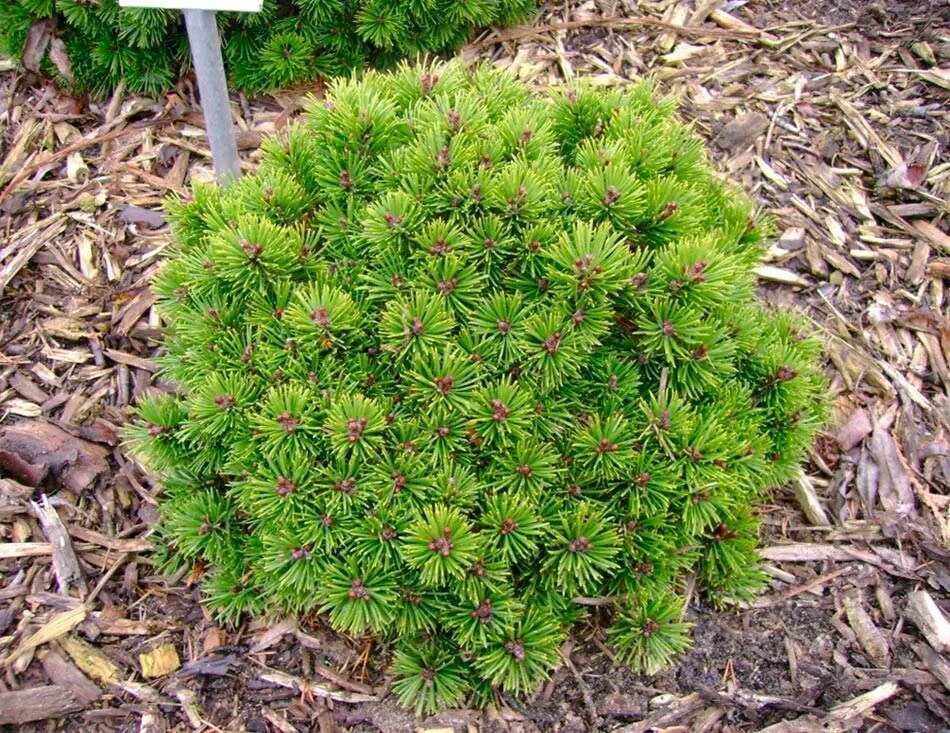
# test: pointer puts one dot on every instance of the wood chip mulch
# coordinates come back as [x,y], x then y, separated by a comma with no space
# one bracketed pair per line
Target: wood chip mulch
[834,116]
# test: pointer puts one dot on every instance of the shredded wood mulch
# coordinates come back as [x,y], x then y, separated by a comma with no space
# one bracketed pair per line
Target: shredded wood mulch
[835,118]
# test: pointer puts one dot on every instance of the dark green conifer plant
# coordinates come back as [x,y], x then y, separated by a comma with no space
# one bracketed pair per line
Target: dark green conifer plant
[287,42]
[460,357]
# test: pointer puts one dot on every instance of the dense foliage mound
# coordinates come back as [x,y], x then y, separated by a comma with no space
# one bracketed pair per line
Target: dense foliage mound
[288,41]
[460,359]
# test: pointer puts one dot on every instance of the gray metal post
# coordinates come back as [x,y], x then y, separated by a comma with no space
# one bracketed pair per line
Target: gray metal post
[213,88]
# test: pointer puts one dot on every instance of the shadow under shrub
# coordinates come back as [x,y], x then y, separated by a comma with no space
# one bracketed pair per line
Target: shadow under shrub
[461,358]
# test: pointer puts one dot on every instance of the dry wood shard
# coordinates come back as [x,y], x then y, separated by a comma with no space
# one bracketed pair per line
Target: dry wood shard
[37,703]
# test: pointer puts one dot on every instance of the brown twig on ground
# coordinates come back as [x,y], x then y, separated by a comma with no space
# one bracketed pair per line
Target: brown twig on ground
[520,34]
[82,144]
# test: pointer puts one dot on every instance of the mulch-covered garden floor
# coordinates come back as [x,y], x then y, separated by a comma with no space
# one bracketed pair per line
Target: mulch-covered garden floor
[832,113]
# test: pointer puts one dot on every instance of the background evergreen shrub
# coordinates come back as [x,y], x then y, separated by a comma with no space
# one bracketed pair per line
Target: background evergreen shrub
[459,356]
[288,41]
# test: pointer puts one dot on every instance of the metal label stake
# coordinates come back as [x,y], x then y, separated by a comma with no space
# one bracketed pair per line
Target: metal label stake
[213,91]
[205,46]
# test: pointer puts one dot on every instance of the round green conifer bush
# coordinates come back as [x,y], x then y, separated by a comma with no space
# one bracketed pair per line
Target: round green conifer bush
[461,358]
[287,42]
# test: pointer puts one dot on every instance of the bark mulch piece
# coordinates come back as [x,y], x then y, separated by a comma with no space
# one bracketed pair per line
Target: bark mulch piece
[834,116]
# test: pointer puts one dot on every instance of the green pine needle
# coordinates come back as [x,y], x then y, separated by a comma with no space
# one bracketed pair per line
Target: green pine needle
[459,357]
[647,635]
[283,44]
[429,676]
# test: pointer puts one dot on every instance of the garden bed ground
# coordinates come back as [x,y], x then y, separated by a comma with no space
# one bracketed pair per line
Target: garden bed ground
[835,117]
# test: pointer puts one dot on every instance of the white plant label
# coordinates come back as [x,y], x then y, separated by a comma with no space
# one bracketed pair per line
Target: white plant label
[237,6]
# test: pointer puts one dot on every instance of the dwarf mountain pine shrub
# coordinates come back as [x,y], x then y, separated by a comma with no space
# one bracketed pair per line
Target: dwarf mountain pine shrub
[289,41]
[460,357]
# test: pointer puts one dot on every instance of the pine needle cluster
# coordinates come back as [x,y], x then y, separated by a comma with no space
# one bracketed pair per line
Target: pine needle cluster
[459,356]
[287,42]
